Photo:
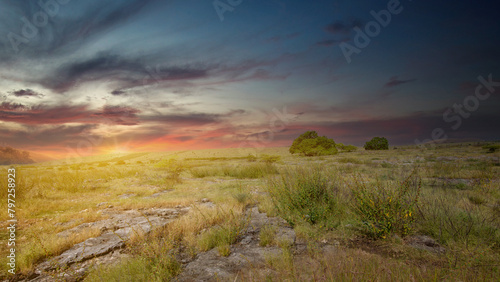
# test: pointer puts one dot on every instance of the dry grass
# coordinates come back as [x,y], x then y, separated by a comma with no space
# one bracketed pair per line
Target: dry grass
[464,218]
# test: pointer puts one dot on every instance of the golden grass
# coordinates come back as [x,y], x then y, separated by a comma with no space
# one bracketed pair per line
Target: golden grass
[69,191]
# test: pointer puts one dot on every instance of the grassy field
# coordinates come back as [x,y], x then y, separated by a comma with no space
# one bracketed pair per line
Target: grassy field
[370,203]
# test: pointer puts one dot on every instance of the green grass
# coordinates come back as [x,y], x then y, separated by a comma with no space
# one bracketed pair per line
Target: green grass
[267,235]
[305,194]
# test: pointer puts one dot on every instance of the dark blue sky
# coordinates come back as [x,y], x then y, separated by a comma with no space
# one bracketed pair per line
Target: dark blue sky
[160,75]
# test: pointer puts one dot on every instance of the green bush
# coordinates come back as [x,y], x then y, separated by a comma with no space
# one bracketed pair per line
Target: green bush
[304,194]
[386,210]
[309,144]
[377,143]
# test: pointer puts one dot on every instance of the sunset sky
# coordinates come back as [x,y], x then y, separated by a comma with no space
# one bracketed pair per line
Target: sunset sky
[110,76]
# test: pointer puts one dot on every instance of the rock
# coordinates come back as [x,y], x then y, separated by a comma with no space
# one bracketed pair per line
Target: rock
[126,196]
[88,249]
[425,243]
[210,266]
[116,230]
[286,236]
[208,205]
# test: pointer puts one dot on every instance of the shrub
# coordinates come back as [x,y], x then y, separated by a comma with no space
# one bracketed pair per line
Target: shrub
[492,148]
[377,143]
[222,236]
[383,210]
[309,144]
[304,194]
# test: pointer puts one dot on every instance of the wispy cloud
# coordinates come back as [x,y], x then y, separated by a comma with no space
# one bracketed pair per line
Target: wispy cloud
[395,81]
[342,27]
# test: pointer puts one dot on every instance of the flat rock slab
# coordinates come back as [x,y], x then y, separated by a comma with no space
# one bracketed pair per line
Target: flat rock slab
[116,230]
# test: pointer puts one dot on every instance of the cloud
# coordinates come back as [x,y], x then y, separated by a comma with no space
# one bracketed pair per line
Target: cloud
[121,115]
[41,114]
[26,93]
[61,114]
[394,81]
[342,27]
[50,136]
[118,92]
[62,34]
[127,72]
[10,107]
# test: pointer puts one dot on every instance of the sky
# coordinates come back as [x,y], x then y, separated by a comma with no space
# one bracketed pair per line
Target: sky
[91,77]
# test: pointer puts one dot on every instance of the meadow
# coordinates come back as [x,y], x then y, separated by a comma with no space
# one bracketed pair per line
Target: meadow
[372,205]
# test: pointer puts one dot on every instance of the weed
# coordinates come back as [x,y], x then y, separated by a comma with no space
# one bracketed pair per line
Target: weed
[267,235]
[304,194]
[383,210]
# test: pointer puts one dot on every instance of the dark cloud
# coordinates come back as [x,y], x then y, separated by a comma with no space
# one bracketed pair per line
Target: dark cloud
[191,119]
[404,130]
[9,107]
[118,115]
[62,35]
[61,114]
[26,93]
[126,72]
[395,81]
[50,136]
[118,92]
[342,27]
[42,114]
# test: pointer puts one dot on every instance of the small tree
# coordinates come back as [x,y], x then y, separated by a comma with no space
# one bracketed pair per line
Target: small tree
[377,143]
[307,135]
[309,144]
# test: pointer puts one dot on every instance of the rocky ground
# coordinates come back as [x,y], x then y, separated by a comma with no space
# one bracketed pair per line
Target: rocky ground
[106,248]
[109,247]
[246,254]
